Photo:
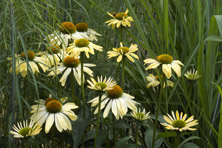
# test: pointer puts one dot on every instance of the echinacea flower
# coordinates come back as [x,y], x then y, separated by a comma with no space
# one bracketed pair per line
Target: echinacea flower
[137,114]
[179,122]
[155,81]
[23,129]
[124,51]
[116,100]
[71,65]
[67,31]
[53,111]
[100,84]
[83,27]
[120,19]
[23,66]
[82,45]
[192,75]
[167,63]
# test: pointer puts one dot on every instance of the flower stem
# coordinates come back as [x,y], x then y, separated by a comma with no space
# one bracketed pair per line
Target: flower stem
[114,133]
[123,72]
[98,120]
[157,113]
[82,86]
[73,87]
[177,140]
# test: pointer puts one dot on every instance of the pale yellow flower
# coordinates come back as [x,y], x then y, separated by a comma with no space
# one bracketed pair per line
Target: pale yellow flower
[154,81]
[52,111]
[192,75]
[67,31]
[179,122]
[83,28]
[82,45]
[71,65]
[101,84]
[116,100]
[23,129]
[167,63]
[120,19]
[137,114]
[32,65]
[124,51]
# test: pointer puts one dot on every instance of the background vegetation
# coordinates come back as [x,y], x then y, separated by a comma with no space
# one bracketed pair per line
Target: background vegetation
[189,30]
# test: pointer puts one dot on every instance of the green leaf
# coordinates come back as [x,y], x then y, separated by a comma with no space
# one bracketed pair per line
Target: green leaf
[167,134]
[149,138]
[220,123]
[188,139]
[190,145]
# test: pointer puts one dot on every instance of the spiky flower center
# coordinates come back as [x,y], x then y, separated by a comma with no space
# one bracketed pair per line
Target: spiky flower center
[159,78]
[82,42]
[120,15]
[71,62]
[54,49]
[24,131]
[82,27]
[30,54]
[140,115]
[165,59]
[67,28]
[48,100]
[123,50]
[115,92]
[53,106]
[179,124]
[101,85]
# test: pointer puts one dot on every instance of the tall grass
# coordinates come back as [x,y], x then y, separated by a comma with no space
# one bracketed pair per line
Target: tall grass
[190,31]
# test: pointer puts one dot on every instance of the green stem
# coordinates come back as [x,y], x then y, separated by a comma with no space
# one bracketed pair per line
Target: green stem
[82,86]
[83,94]
[157,113]
[114,133]
[177,140]
[136,137]
[121,33]
[98,120]
[53,136]
[73,87]
[123,72]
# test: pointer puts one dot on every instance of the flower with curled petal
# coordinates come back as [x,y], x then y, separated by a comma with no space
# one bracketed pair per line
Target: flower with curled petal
[116,100]
[155,81]
[138,115]
[167,63]
[192,75]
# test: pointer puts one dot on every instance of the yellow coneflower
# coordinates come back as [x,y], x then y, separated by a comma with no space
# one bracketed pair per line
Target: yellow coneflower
[82,45]
[70,64]
[124,51]
[155,81]
[192,75]
[120,19]
[116,100]
[167,63]
[83,27]
[179,122]
[101,84]
[52,111]
[23,129]
[137,114]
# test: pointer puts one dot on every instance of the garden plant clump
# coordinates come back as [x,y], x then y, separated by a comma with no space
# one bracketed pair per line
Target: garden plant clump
[111,74]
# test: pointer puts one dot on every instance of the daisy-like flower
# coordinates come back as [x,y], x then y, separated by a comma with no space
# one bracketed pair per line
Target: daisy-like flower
[67,31]
[120,19]
[23,129]
[192,75]
[167,63]
[32,64]
[83,27]
[82,45]
[179,122]
[71,65]
[154,81]
[116,100]
[100,84]
[124,51]
[52,111]
[137,114]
